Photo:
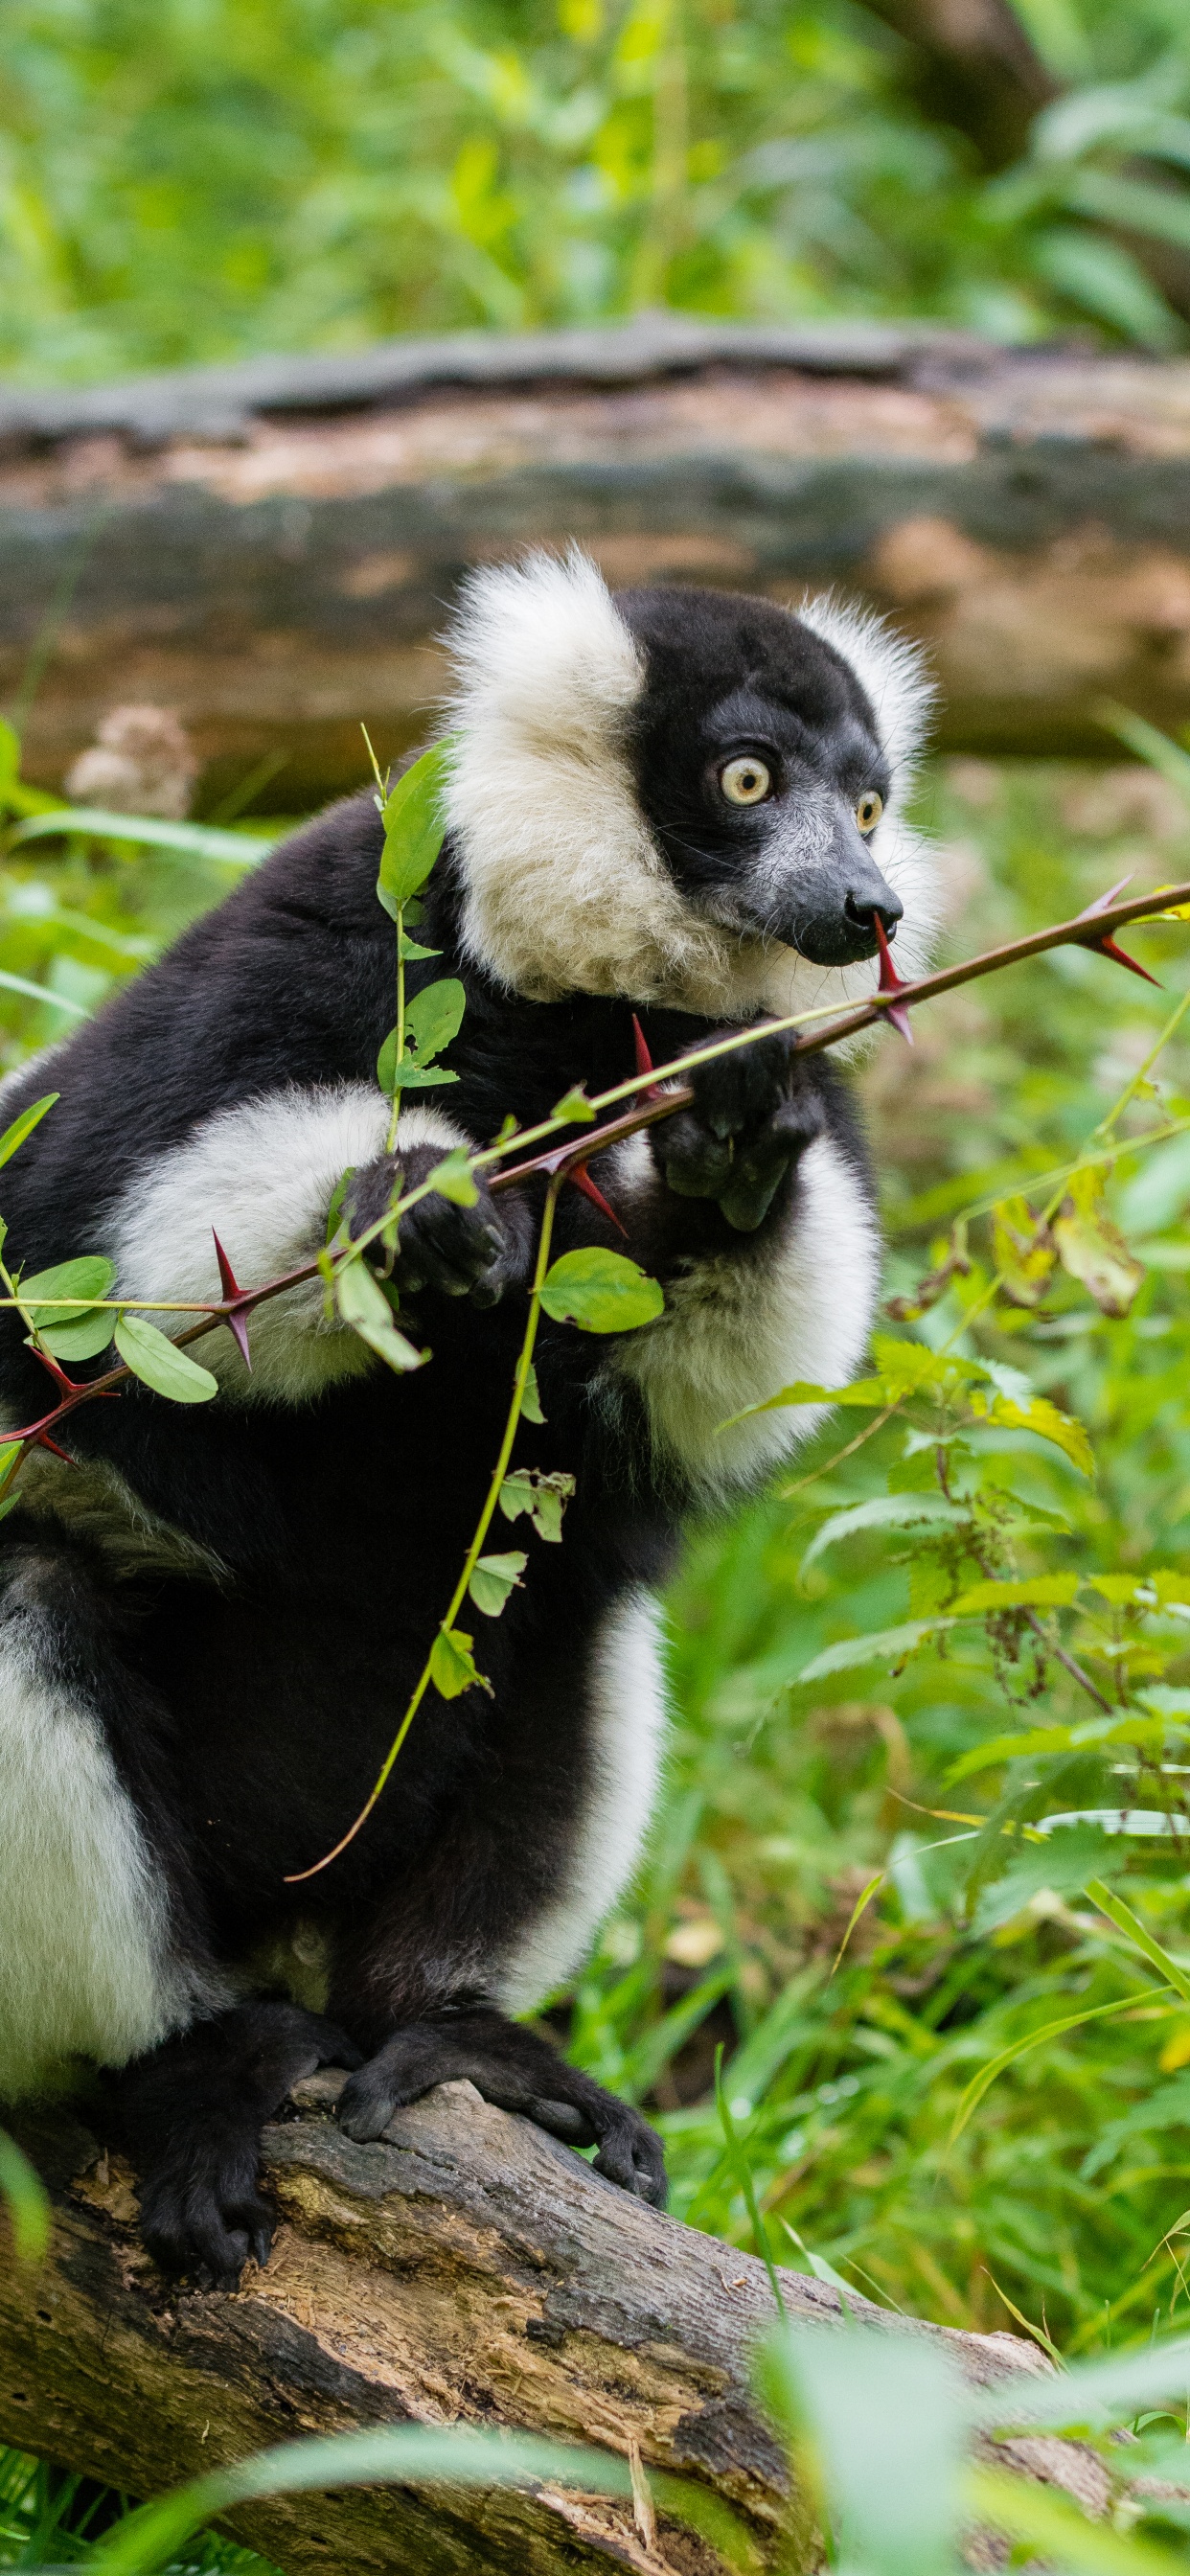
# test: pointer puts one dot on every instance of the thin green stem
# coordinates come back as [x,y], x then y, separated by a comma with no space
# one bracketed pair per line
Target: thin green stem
[395,1118]
[519,1384]
[1106,1125]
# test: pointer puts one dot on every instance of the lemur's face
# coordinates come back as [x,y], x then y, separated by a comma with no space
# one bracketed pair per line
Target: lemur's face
[681,796]
[761,773]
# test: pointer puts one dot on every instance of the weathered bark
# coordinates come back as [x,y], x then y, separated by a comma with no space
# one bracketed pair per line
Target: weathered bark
[466,2270]
[270,549]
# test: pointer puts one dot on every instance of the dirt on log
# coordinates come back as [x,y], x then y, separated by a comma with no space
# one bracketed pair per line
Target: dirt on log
[270,548]
[464,2270]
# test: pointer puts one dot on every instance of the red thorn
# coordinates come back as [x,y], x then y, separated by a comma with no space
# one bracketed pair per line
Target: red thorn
[1103,902]
[237,1324]
[582,1181]
[891,982]
[44,1441]
[1110,948]
[59,1376]
[644,1061]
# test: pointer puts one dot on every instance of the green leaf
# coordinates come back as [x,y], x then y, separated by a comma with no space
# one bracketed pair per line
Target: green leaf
[338,1199]
[89,1275]
[884,1511]
[411,950]
[1138,1933]
[413,829]
[152,1356]
[184,840]
[14,1136]
[981,2083]
[574,1106]
[28,2203]
[531,1402]
[1036,1592]
[435,1016]
[362,1304]
[453,1179]
[405,1075]
[452,1665]
[494,1578]
[884,1645]
[543,1497]
[409,2454]
[601,1292]
[83,1338]
[1039,1415]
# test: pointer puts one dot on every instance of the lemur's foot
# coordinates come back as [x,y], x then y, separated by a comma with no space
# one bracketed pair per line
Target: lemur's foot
[191,2116]
[517,2070]
[752,1117]
[454,1251]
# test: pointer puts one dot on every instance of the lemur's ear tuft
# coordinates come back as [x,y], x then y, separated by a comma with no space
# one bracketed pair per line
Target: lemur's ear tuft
[892,671]
[541,653]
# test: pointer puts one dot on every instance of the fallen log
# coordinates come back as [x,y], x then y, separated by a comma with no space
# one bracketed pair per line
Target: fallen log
[466,2269]
[270,548]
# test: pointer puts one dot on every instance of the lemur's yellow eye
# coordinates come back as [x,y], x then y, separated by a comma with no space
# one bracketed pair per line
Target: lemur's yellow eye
[745,781]
[869,810]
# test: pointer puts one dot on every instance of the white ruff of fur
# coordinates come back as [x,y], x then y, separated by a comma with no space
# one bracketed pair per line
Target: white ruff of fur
[263,1177]
[627,1720]
[564,888]
[85,1963]
[735,1331]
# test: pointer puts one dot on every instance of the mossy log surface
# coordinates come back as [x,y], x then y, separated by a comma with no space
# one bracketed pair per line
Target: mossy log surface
[269,548]
[464,2270]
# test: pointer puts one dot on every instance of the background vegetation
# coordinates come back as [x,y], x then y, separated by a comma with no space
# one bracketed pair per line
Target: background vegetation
[187,180]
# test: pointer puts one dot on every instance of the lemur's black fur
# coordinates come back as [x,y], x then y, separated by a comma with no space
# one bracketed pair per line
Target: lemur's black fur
[248,1703]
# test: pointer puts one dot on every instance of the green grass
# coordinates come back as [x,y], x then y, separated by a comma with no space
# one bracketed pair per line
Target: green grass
[1061,2197]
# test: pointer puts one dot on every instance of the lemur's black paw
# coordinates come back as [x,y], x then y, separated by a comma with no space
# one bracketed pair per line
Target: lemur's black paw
[752,1117]
[453,1251]
[201,2212]
[518,2071]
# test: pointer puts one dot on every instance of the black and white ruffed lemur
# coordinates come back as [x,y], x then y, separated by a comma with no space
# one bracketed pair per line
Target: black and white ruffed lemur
[679,803]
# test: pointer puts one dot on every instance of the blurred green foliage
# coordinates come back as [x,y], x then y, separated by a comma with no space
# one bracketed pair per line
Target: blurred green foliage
[186,180]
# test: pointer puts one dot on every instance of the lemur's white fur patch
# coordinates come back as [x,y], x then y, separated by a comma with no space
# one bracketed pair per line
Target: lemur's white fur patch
[564,887]
[736,1329]
[86,1968]
[627,1720]
[262,1176]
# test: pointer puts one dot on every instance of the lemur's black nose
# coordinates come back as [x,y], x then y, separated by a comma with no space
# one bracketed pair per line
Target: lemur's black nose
[864,908]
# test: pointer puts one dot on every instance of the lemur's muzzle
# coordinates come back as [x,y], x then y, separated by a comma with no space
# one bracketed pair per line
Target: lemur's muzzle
[834,910]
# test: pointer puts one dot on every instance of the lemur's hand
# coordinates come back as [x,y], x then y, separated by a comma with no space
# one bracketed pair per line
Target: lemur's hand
[752,1116]
[454,1251]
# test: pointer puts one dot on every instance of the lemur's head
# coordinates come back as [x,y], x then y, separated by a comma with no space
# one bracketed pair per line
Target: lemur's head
[682,796]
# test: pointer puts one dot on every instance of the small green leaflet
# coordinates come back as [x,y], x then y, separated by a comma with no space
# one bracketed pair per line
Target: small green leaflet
[531,1401]
[152,1356]
[574,1106]
[72,1332]
[28,2202]
[14,1136]
[405,1076]
[601,1292]
[544,1498]
[334,1214]
[412,951]
[362,1304]
[88,1275]
[494,1578]
[452,1179]
[435,1016]
[452,1665]
[413,829]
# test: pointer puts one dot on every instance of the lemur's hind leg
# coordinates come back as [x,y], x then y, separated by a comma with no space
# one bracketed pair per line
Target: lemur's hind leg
[190,2116]
[517,2069]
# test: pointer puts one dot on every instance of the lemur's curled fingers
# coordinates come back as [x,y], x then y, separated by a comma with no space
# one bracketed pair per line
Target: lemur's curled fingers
[453,1251]
[752,1117]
